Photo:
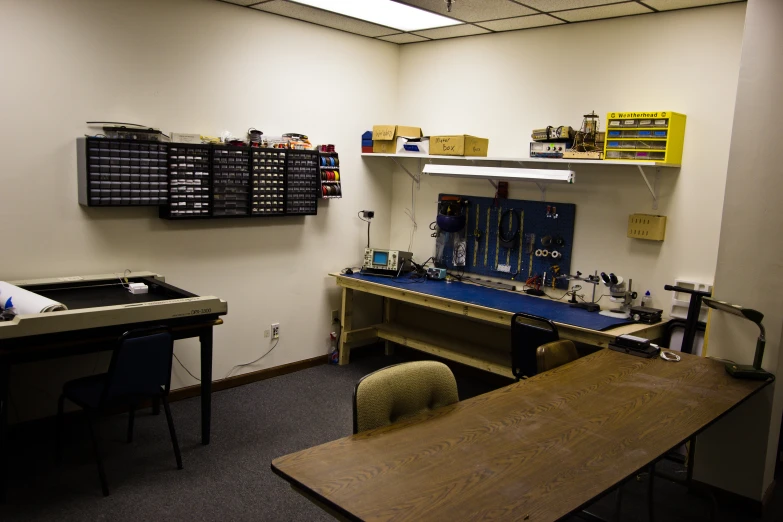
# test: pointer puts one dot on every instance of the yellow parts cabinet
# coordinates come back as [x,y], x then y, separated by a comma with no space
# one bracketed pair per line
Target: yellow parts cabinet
[656,137]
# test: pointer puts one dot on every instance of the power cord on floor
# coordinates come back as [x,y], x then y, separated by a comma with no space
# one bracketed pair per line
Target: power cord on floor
[232,369]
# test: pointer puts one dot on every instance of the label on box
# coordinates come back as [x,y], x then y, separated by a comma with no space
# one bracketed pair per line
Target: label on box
[449,145]
[384,132]
[181,137]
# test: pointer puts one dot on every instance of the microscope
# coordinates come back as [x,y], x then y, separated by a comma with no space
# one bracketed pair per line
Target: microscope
[618,293]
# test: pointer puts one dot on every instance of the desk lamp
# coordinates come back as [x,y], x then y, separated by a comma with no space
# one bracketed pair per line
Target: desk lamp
[744,371]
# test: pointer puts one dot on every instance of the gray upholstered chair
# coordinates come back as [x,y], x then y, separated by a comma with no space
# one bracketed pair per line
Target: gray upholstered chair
[554,354]
[401,391]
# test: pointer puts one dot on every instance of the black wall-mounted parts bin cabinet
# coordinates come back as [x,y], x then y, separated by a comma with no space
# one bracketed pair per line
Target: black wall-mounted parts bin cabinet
[197,181]
[189,182]
[122,173]
[268,175]
[302,182]
[230,181]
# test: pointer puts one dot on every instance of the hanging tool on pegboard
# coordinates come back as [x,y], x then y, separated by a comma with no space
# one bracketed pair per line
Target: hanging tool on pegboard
[501,192]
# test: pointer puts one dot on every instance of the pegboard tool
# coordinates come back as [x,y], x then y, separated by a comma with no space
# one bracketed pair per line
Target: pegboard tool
[486,237]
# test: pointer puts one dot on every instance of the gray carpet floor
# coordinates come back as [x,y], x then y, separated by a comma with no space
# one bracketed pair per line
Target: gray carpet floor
[231,478]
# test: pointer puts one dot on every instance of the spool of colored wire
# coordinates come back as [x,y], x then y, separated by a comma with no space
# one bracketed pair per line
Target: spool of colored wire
[337,176]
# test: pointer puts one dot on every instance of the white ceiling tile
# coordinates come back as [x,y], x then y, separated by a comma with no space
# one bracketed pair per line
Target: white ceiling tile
[473,10]
[665,5]
[561,5]
[452,32]
[317,16]
[523,22]
[606,11]
[403,38]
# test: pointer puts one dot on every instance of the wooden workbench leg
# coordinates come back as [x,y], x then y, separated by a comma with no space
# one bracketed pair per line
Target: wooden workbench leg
[388,316]
[206,384]
[346,324]
[5,372]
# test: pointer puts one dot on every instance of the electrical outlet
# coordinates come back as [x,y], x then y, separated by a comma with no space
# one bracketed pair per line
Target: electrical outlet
[335,316]
[275,330]
[266,333]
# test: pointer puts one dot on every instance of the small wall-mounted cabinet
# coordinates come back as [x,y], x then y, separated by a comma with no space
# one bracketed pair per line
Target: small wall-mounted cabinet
[645,136]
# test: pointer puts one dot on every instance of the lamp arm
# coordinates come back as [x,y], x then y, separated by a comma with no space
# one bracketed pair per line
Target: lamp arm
[761,342]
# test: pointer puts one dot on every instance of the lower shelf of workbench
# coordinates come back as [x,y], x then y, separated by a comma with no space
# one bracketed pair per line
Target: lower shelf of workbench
[486,358]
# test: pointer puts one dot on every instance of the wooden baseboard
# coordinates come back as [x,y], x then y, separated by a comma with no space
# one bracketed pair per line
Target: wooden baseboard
[194,391]
[249,377]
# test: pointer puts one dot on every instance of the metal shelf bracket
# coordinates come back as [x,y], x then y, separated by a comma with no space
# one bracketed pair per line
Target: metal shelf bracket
[414,177]
[541,186]
[653,188]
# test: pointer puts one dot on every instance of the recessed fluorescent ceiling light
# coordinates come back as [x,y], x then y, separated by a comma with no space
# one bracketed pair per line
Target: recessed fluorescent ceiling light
[384,12]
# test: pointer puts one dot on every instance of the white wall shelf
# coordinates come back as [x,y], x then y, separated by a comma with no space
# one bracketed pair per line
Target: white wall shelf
[640,166]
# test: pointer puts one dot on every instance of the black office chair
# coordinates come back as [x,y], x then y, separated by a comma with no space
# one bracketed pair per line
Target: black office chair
[528,332]
[140,369]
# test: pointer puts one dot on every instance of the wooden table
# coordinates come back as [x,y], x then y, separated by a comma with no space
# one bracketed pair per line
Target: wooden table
[437,325]
[536,450]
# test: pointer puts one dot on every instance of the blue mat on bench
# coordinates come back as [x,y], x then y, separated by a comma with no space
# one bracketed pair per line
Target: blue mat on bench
[500,300]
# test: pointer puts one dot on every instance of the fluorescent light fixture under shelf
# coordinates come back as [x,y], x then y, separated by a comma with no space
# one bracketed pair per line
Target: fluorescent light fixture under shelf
[500,174]
[384,12]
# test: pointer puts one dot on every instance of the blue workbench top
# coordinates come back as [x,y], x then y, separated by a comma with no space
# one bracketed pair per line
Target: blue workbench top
[506,301]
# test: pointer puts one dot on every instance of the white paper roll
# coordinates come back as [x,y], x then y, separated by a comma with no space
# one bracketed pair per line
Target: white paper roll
[26,302]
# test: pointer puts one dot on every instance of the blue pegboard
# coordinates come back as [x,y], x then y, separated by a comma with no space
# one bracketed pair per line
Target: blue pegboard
[484,259]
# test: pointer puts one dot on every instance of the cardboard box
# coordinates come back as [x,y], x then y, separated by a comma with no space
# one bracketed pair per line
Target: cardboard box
[415,145]
[460,145]
[385,137]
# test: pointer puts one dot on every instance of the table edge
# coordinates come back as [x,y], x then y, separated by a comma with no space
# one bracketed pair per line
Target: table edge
[309,492]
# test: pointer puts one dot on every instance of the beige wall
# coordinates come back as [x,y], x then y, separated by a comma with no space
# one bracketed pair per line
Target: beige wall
[740,453]
[185,66]
[502,86]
